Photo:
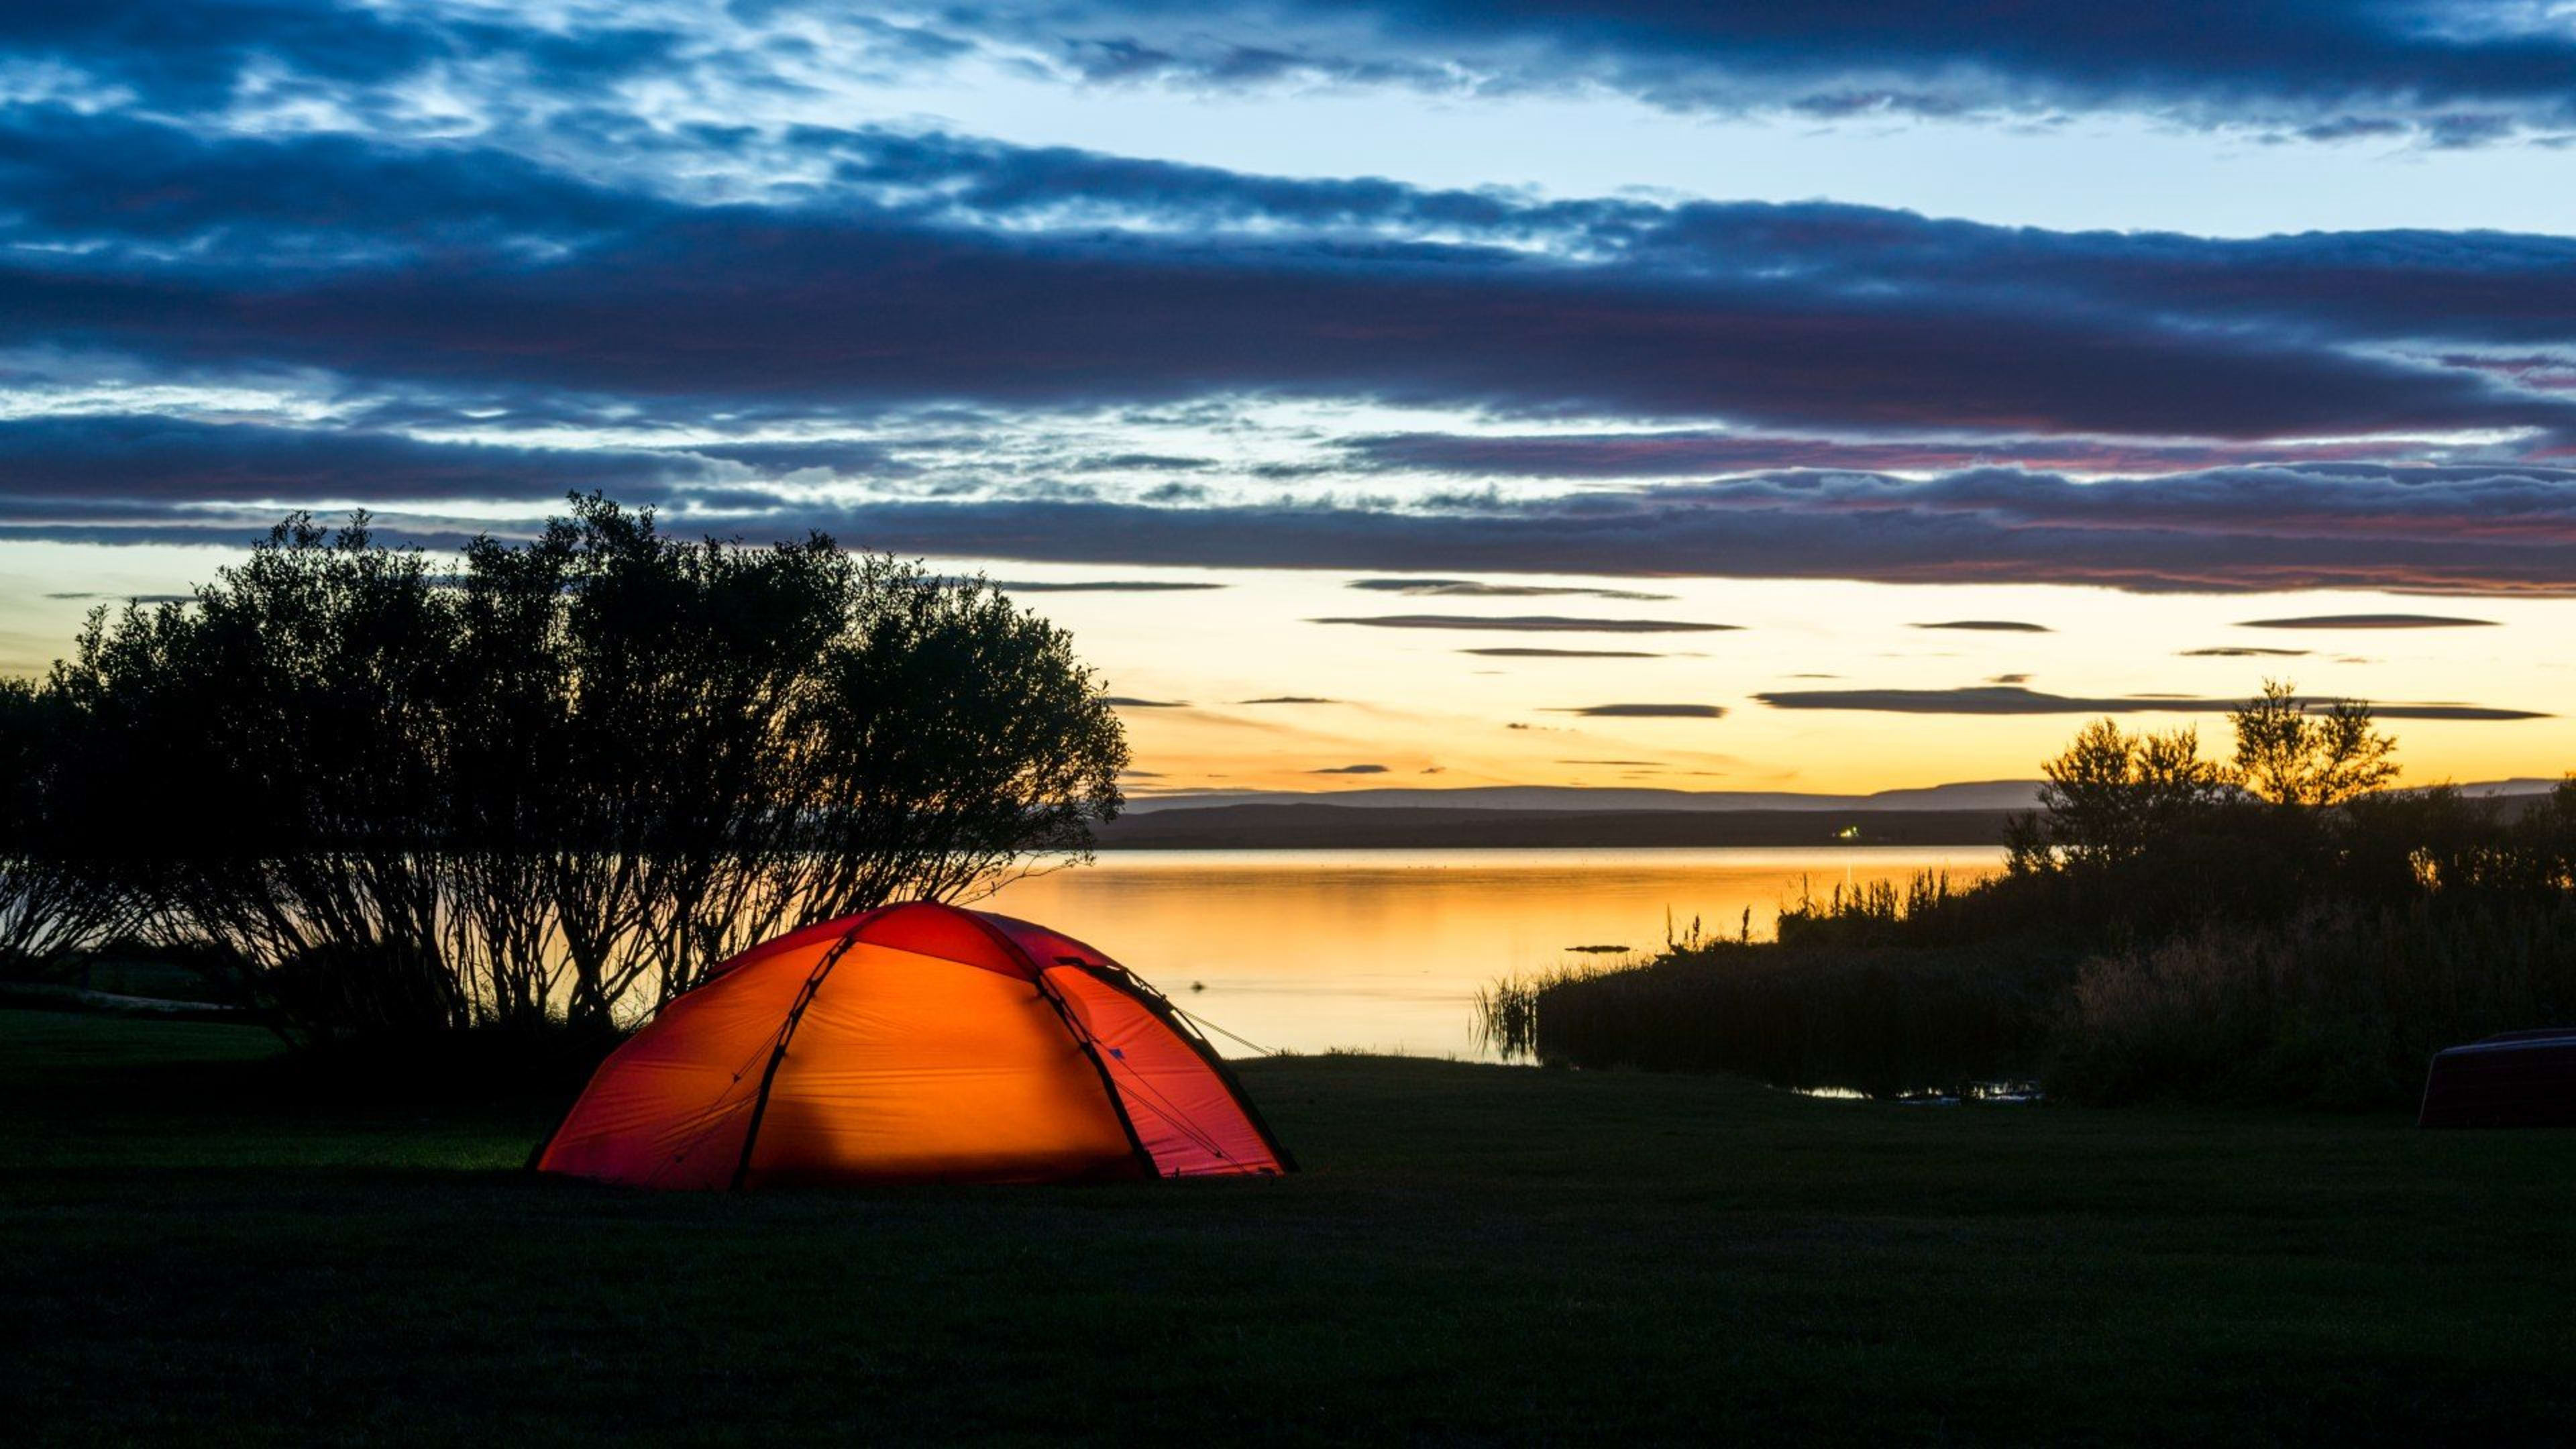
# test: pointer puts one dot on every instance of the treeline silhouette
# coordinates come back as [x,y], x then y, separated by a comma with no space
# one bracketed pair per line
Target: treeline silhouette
[543,782]
[2280,926]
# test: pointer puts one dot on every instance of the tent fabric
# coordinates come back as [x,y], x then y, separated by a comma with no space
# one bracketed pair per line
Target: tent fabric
[914,1043]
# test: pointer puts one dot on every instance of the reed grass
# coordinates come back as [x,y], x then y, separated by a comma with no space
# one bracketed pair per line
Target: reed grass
[2340,1006]
[1894,989]
[1834,1003]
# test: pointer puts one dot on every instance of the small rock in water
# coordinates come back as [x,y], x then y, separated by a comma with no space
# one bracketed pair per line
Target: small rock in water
[1597,950]
[1198,986]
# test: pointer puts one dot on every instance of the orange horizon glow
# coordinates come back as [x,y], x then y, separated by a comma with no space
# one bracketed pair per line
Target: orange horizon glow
[1381,707]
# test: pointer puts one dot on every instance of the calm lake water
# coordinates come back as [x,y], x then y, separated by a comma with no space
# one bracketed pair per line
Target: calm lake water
[1384,950]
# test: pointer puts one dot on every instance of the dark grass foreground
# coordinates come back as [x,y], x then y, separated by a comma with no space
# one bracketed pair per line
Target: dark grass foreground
[192,1246]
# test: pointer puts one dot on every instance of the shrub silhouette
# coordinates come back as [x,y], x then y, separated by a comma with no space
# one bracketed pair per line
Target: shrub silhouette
[2290,754]
[48,902]
[2281,927]
[559,779]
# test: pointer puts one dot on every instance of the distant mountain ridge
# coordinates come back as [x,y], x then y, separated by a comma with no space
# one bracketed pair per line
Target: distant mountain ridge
[1545,817]
[2519,785]
[1973,795]
[1331,827]
[1962,795]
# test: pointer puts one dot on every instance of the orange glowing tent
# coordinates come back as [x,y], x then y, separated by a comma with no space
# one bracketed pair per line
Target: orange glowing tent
[913,1043]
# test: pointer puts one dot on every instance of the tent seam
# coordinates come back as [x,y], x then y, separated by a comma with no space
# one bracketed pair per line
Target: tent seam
[1081,1038]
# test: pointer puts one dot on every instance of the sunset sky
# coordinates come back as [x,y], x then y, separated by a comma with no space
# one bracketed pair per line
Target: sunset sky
[1838,395]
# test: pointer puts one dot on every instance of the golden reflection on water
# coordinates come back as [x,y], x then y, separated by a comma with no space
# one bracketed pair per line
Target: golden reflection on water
[1384,950]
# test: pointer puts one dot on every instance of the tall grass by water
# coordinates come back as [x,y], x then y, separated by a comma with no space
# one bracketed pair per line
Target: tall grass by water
[2340,1006]
[2238,951]
[1829,1005]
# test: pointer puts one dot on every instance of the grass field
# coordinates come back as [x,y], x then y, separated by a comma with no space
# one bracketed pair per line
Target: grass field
[196,1243]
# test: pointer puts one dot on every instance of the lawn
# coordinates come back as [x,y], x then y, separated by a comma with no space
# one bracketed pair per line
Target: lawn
[199,1241]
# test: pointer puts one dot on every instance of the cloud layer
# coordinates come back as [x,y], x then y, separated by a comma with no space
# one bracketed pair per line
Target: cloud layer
[452,264]
[2452,72]
[1648,711]
[2460,70]
[2370,621]
[2428,530]
[1510,653]
[2014,700]
[2462,73]
[1476,589]
[1528,624]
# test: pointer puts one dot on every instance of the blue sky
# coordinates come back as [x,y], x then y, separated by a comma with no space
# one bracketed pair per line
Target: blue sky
[2124,305]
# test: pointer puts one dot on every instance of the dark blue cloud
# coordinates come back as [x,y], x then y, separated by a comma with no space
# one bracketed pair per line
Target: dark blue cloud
[152,462]
[1801,356]
[1142,462]
[2480,285]
[164,198]
[2435,530]
[466,269]
[184,55]
[975,177]
[734,305]
[2431,530]
[2454,72]
[1700,453]
[2320,69]
[82,180]
[832,455]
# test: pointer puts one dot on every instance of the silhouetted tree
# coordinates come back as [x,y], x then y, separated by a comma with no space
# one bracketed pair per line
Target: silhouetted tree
[266,768]
[680,815]
[2289,754]
[509,762]
[564,777]
[953,738]
[2139,833]
[48,904]
[2111,795]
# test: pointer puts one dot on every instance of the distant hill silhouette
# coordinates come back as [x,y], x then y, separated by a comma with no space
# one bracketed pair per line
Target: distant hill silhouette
[1528,816]
[1972,795]
[1312,826]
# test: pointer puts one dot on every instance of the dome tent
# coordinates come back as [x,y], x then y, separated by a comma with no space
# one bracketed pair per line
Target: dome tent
[913,1043]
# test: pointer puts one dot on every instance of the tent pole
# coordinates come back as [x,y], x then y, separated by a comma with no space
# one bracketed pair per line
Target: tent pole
[769,1074]
[1081,1038]
[1108,1084]
[1119,978]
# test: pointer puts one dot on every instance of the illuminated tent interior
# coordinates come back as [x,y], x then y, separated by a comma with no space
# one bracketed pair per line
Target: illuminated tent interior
[914,1043]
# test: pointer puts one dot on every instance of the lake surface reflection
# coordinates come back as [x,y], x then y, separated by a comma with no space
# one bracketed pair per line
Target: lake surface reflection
[1384,950]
